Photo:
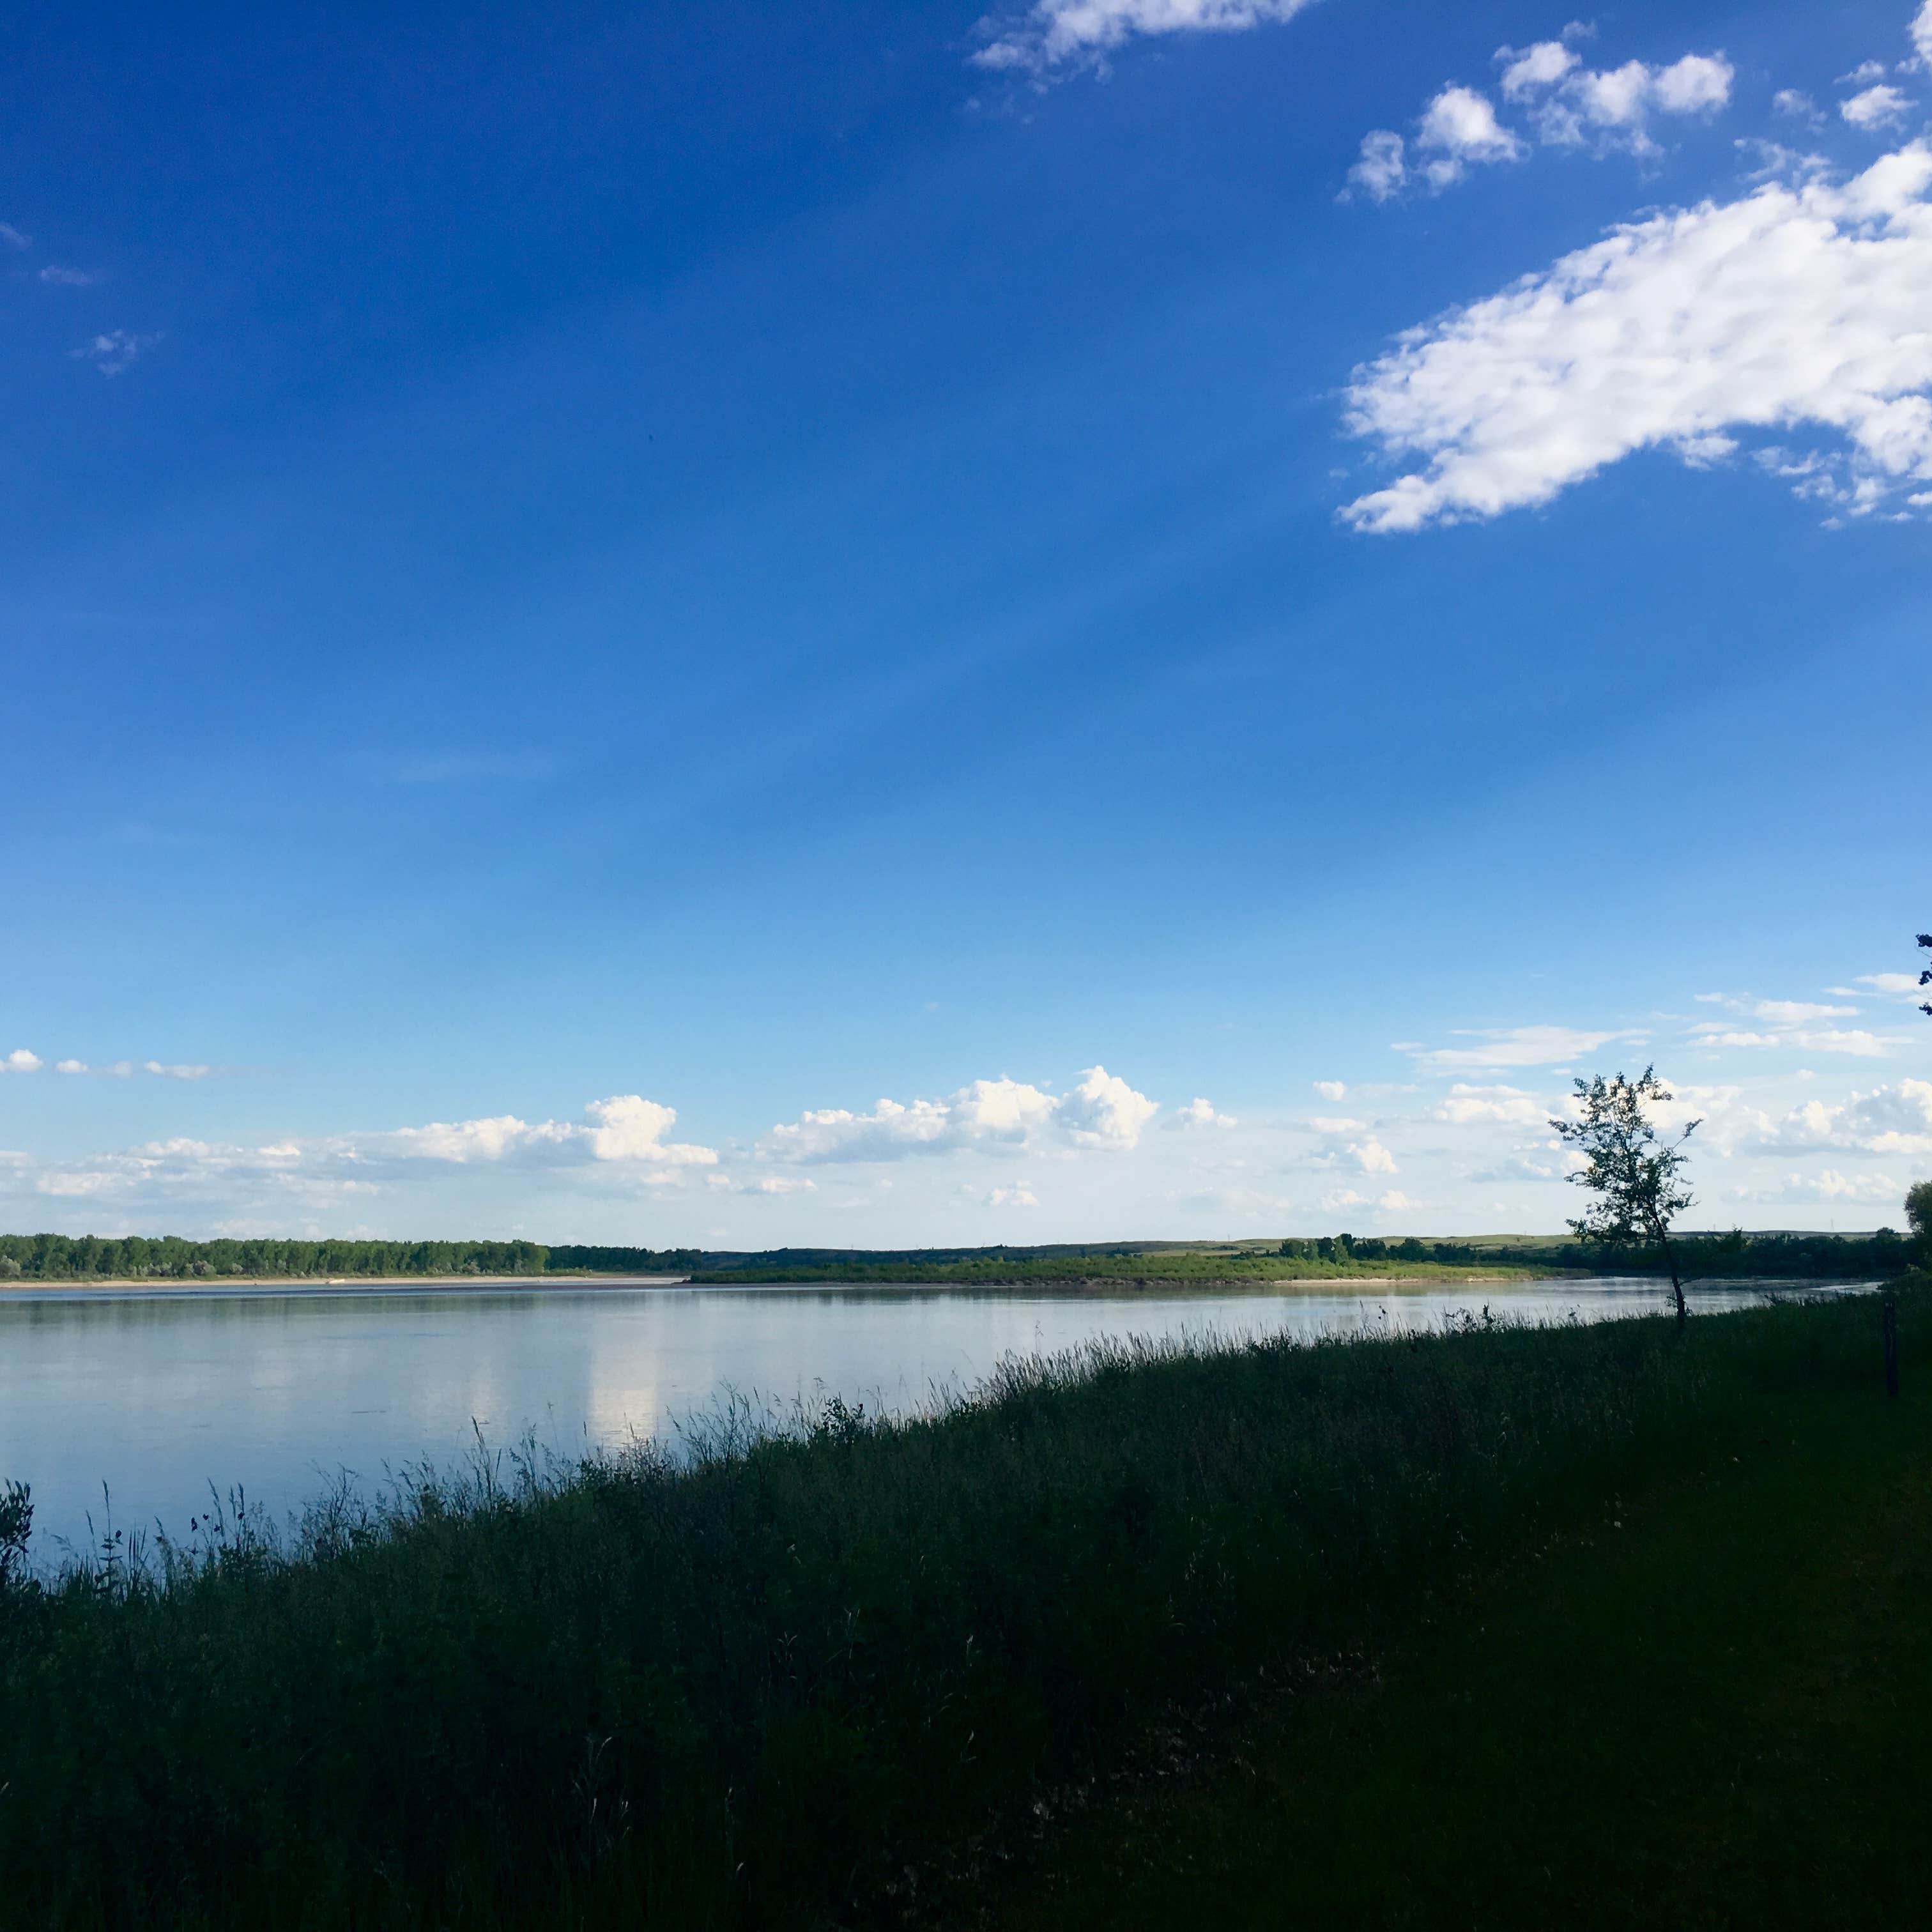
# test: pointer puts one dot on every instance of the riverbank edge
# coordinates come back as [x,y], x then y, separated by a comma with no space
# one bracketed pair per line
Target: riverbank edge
[858,1639]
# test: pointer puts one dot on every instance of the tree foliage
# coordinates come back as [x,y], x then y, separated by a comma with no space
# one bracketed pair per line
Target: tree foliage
[1633,1171]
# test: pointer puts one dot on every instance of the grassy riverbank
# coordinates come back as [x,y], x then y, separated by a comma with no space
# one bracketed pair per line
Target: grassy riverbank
[756,1693]
[1710,1704]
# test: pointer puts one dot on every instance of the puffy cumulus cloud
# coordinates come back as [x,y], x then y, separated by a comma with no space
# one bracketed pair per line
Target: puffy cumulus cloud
[1102,1111]
[622,1139]
[1199,1113]
[1378,1207]
[21,1061]
[1892,1120]
[178,1070]
[1510,1046]
[625,1130]
[1920,31]
[1372,1157]
[1332,1090]
[1571,105]
[1828,1185]
[1062,36]
[1459,129]
[1496,1106]
[1799,308]
[1382,172]
[1011,1197]
[1874,109]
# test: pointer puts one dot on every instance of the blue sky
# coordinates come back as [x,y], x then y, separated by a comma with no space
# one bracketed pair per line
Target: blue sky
[590,591]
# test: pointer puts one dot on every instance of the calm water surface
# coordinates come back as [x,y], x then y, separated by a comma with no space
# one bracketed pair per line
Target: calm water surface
[136,1403]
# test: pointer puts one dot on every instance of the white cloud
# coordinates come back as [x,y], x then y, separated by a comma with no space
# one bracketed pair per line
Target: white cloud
[622,1138]
[1372,1157]
[1828,1185]
[1527,72]
[1504,1106]
[1068,35]
[21,1061]
[1876,108]
[1796,306]
[1512,1046]
[1460,128]
[1103,1112]
[1346,1200]
[626,1129]
[1809,1039]
[1332,1090]
[1892,982]
[1573,106]
[1382,172]
[13,238]
[1517,1169]
[1795,1013]
[68,278]
[1012,1197]
[1798,105]
[115,350]
[1895,1120]
[1921,31]
[181,1070]
[1198,1113]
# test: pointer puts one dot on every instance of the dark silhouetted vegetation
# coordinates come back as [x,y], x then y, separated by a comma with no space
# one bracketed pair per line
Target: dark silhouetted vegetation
[170,1258]
[756,1688]
[1633,1172]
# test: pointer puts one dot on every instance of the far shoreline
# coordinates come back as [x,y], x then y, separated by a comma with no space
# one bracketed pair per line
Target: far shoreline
[1134,1286]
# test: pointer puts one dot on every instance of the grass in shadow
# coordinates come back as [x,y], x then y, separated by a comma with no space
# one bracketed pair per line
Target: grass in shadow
[754,1689]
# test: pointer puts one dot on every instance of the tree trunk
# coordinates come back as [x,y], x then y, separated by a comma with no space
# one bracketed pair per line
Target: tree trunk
[1676,1286]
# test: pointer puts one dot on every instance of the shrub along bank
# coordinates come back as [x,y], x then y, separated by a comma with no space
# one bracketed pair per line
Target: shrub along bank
[753,1689]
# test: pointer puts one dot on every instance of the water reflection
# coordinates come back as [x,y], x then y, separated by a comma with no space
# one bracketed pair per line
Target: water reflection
[152,1397]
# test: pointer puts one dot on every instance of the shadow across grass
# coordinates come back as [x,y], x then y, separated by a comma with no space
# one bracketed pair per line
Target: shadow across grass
[758,1687]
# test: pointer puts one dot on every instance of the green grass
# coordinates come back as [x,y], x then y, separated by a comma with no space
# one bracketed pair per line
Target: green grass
[755,1691]
[1711,1706]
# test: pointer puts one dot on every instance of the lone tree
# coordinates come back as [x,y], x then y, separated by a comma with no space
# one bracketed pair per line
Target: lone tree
[1632,1172]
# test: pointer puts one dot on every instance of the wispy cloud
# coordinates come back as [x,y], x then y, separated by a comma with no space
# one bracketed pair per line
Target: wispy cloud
[13,238]
[1512,1046]
[116,350]
[61,278]
[1055,37]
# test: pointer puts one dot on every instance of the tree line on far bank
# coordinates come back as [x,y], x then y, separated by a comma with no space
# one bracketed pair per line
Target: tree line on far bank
[171,1258]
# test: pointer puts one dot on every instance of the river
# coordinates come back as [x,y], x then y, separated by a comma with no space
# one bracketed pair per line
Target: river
[126,1409]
